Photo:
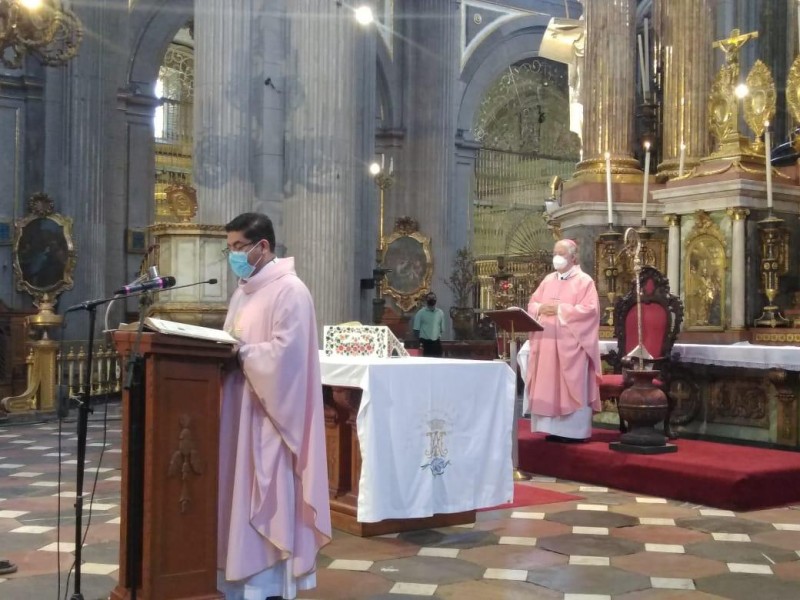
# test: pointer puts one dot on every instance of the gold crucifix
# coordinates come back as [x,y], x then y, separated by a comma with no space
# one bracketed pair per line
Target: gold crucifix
[731,45]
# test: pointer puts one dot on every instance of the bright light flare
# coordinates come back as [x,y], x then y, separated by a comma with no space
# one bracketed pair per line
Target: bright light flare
[31,4]
[741,91]
[364,15]
[374,168]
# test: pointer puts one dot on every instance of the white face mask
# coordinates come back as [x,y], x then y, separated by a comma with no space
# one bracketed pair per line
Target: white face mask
[559,262]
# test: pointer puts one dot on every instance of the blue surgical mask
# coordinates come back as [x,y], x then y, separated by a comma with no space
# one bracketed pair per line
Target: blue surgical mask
[239,265]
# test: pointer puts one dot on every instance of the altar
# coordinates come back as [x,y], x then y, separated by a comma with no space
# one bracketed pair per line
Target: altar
[741,391]
[416,442]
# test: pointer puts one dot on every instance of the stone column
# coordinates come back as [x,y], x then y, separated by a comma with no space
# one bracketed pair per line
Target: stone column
[226,119]
[738,274]
[686,34]
[609,88]
[674,254]
[330,138]
[429,49]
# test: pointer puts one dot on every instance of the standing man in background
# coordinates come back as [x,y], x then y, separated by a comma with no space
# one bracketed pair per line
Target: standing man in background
[428,326]
[564,363]
[274,514]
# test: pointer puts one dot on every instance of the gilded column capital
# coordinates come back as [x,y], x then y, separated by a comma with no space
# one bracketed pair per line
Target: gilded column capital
[673,220]
[738,214]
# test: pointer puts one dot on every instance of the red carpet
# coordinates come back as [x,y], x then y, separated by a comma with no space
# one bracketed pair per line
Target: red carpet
[526,494]
[713,474]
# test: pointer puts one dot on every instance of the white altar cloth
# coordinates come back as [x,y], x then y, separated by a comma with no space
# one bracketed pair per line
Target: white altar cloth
[742,354]
[435,433]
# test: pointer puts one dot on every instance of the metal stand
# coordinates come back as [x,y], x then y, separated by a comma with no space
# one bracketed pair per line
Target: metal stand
[518,475]
[773,265]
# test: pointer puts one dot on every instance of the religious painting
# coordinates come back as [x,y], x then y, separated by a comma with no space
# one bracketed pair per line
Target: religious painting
[407,257]
[136,240]
[44,256]
[705,268]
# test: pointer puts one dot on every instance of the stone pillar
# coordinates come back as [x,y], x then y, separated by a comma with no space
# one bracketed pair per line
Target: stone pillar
[686,34]
[609,88]
[226,119]
[429,48]
[332,63]
[738,274]
[674,254]
[90,129]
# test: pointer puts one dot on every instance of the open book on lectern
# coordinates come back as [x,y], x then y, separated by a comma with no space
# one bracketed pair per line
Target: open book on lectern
[514,320]
[184,330]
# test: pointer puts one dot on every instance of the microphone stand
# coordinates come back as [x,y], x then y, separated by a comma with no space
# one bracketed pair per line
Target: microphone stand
[136,441]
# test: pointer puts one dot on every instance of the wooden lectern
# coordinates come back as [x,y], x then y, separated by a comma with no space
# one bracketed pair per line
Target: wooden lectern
[514,321]
[180,424]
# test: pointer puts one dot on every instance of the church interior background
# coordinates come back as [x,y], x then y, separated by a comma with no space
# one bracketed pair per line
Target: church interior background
[444,145]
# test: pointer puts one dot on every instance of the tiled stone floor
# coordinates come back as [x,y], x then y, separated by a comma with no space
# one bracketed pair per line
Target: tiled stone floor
[610,544]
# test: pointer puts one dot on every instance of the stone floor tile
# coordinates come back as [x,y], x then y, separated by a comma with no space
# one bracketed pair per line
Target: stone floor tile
[671,583]
[666,548]
[12,514]
[654,594]
[32,529]
[660,535]
[45,484]
[26,474]
[649,500]
[741,553]
[589,545]
[593,518]
[512,557]
[730,537]
[743,586]
[593,488]
[788,540]
[450,538]
[428,569]
[344,564]
[657,521]
[788,570]
[526,515]
[787,526]
[590,561]
[592,507]
[91,568]
[413,589]
[496,589]
[590,530]
[663,511]
[775,515]
[506,574]
[572,579]
[517,541]
[724,525]
[750,568]
[716,512]
[681,566]
[523,528]
[341,585]
[440,552]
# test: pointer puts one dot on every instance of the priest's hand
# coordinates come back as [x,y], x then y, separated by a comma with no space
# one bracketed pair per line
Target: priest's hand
[548,310]
[232,362]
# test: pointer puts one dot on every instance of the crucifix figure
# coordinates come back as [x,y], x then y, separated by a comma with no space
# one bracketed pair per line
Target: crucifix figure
[731,45]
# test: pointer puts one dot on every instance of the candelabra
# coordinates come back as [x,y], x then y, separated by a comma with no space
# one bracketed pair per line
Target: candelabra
[609,251]
[774,264]
[43,28]
[384,181]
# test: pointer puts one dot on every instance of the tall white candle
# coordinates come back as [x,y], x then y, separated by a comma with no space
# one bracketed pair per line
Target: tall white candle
[647,52]
[383,162]
[768,165]
[682,161]
[646,180]
[642,75]
[391,165]
[609,200]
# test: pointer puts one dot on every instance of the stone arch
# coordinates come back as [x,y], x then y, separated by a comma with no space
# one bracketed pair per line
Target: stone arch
[154,25]
[513,41]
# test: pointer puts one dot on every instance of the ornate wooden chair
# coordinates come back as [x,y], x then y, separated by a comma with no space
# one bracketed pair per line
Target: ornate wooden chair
[662,315]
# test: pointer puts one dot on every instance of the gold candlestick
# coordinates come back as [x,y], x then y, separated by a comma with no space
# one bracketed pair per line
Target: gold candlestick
[609,251]
[774,264]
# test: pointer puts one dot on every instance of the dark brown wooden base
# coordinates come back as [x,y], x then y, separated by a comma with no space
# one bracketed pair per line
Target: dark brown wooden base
[343,517]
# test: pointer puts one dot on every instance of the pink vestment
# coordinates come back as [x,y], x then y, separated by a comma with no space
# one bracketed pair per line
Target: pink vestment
[273,481]
[566,354]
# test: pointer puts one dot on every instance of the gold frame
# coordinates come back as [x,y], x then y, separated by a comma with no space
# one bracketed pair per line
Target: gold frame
[705,236]
[40,206]
[406,228]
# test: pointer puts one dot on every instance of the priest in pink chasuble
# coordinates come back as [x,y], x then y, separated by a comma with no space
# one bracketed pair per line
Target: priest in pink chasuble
[274,514]
[564,362]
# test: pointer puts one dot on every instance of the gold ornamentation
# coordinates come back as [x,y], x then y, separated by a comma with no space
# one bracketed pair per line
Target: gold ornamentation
[738,214]
[793,95]
[705,269]
[723,105]
[44,257]
[739,401]
[185,461]
[787,407]
[526,272]
[673,220]
[407,256]
[774,264]
[51,32]
[607,248]
[182,202]
[186,229]
[653,254]
[776,338]
[759,104]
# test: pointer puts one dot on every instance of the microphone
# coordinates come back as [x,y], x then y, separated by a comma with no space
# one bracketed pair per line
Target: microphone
[159,283]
